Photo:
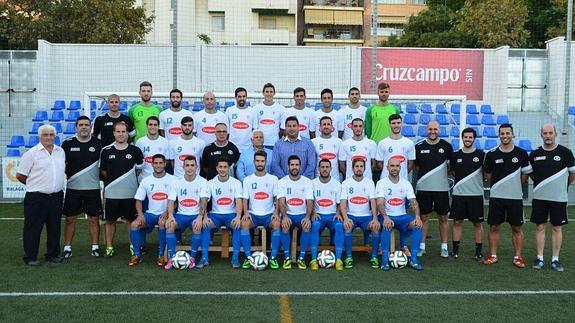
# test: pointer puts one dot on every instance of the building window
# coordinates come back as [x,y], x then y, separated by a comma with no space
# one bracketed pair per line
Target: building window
[418,1]
[268,23]
[218,22]
[389,30]
[394,1]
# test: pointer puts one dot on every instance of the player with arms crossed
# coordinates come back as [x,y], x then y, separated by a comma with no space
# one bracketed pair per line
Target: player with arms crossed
[352,111]
[151,144]
[171,118]
[305,116]
[327,146]
[269,116]
[242,121]
[357,146]
[186,145]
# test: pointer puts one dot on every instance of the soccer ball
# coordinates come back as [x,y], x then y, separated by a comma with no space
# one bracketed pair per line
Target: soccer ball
[181,260]
[259,260]
[398,259]
[326,259]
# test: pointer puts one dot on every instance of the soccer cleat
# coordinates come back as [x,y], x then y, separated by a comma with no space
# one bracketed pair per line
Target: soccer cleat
[348,263]
[287,264]
[313,265]
[444,253]
[374,262]
[169,265]
[192,264]
[203,263]
[339,265]
[490,260]
[385,266]
[95,252]
[160,262]
[301,264]
[236,263]
[538,263]
[479,257]
[406,251]
[421,252]
[415,265]
[132,253]
[454,254]
[134,261]
[143,250]
[247,263]
[556,265]
[67,254]
[518,262]
[274,263]
[110,252]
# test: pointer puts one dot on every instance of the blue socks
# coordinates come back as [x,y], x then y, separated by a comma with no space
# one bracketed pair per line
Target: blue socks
[171,242]
[314,238]
[236,243]
[246,242]
[206,237]
[417,235]
[285,239]
[337,239]
[374,244]
[135,238]
[348,237]
[195,241]
[385,242]
[161,241]
[276,234]
[304,243]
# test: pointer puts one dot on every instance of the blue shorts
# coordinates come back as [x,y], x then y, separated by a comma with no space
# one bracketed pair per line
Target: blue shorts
[151,220]
[326,221]
[184,221]
[221,220]
[296,220]
[261,220]
[401,222]
[360,221]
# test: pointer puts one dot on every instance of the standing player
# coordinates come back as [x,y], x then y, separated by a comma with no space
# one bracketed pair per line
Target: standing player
[295,203]
[170,120]
[553,171]
[191,193]
[392,192]
[152,143]
[467,197]
[395,146]
[305,116]
[140,112]
[156,188]
[83,186]
[431,158]
[326,190]
[352,110]
[206,119]
[104,125]
[119,166]
[358,146]
[242,121]
[327,146]
[270,116]
[226,211]
[377,116]
[357,203]
[259,204]
[327,110]
[186,145]
[506,168]
[222,147]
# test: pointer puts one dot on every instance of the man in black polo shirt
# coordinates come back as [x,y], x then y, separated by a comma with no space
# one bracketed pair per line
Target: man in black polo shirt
[220,147]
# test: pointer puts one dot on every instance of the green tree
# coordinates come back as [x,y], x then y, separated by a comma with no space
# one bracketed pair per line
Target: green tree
[558,12]
[23,22]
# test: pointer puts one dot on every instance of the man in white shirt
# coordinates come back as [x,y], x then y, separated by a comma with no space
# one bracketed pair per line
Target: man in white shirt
[352,111]
[171,118]
[304,115]
[395,146]
[359,146]
[327,146]
[242,121]
[270,116]
[151,144]
[207,119]
[328,110]
[186,145]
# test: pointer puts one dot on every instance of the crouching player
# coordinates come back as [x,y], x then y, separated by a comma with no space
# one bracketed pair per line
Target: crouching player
[357,203]
[192,194]
[226,193]
[156,188]
[259,198]
[326,190]
[391,193]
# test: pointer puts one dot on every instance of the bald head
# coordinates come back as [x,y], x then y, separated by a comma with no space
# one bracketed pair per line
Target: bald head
[549,135]
[209,100]
[393,167]
[432,130]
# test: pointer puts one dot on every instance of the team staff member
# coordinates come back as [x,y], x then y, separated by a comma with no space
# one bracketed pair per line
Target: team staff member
[42,170]
[222,147]
[83,186]
[293,144]
[246,165]
[553,171]
[104,125]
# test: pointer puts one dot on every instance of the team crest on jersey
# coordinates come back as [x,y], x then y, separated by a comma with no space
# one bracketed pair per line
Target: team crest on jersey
[515,160]
[556,158]
[441,151]
[230,152]
[128,156]
[92,149]
[475,159]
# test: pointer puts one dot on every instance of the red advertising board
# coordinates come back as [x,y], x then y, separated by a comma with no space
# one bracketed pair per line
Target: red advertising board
[425,71]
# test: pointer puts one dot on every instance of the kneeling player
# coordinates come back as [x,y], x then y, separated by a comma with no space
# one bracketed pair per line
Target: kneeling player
[156,188]
[391,192]
[260,192]
[192,195]
[326,190]
[357,203]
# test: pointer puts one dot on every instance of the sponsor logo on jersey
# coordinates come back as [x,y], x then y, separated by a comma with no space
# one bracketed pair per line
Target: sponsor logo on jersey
[295,201]
[302,127]
[459,160]
[359,156]
[499,161]
[395,201]
[401,158]
[267,121]
[329,156]
[188,202]
[240,125]
[148,159]
[209,129]
[225,201]
[261,195]
[182,157]
[75,149]
[159,196]
[175,131]
[424,151]
[541,158]
[349,125]
[359,200]
[324,202]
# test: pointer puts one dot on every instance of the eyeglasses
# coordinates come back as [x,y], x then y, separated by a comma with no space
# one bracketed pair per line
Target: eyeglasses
[221,131]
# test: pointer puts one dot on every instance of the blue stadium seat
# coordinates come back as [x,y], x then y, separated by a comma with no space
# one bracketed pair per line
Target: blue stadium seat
[123,106]
[526,144]
[472,120]
[407,131]
[57,141]
[229,104]
[477,131]
[41,116]
[57,116]
[442,119]
[32,141]
[440,108]
[571,110]
[411,108]
[410,119]
[185,105]
[490,144]
[502,118]
[35,126]
[166,105]
[424,119]
[336,106]
[488,120]
[477,144]
[57,126]
[426,108]
[456,108]
[92,115]
[318,105]
[455,144]
[397,105]
[443,132]
[72,116]
[16,142]
[93,105]
[471,109]
[13,153]
[489,132]
[454,132]
[104,106]
[70,128]
[486,109]
[75,105]
[134,102]
[248,104]
[422,131]
[59,105]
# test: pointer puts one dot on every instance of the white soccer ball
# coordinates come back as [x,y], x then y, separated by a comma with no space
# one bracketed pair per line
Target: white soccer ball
[398,259]
[326,259]
[181,260]
[259,260]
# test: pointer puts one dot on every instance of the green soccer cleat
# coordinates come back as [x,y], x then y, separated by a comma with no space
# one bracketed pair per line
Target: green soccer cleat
[374,262]
[338,265]
[110,252]
[247,263]
[348,263]
[274,263]
[287,264]
[301,264]
[313,265]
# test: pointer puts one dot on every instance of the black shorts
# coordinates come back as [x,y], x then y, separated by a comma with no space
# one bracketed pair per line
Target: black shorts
[505,210]
[120,208]
[467,207]
[82,201]
[542,210]
[430,201]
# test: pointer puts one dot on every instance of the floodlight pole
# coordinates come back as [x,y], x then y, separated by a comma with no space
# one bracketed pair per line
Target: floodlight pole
[374,47]
[567,66]
[174,44]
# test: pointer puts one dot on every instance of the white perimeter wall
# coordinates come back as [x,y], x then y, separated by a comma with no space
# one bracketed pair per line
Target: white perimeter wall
[556,77]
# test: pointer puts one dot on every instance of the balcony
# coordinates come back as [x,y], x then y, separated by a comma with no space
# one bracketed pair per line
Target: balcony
[333,16]
[334,3]
[333,36]
[270,36]
[272,7]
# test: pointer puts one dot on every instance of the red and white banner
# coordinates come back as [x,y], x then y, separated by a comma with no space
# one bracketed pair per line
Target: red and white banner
[425,71]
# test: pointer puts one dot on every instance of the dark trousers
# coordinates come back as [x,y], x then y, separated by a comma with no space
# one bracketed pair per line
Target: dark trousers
[40,209]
